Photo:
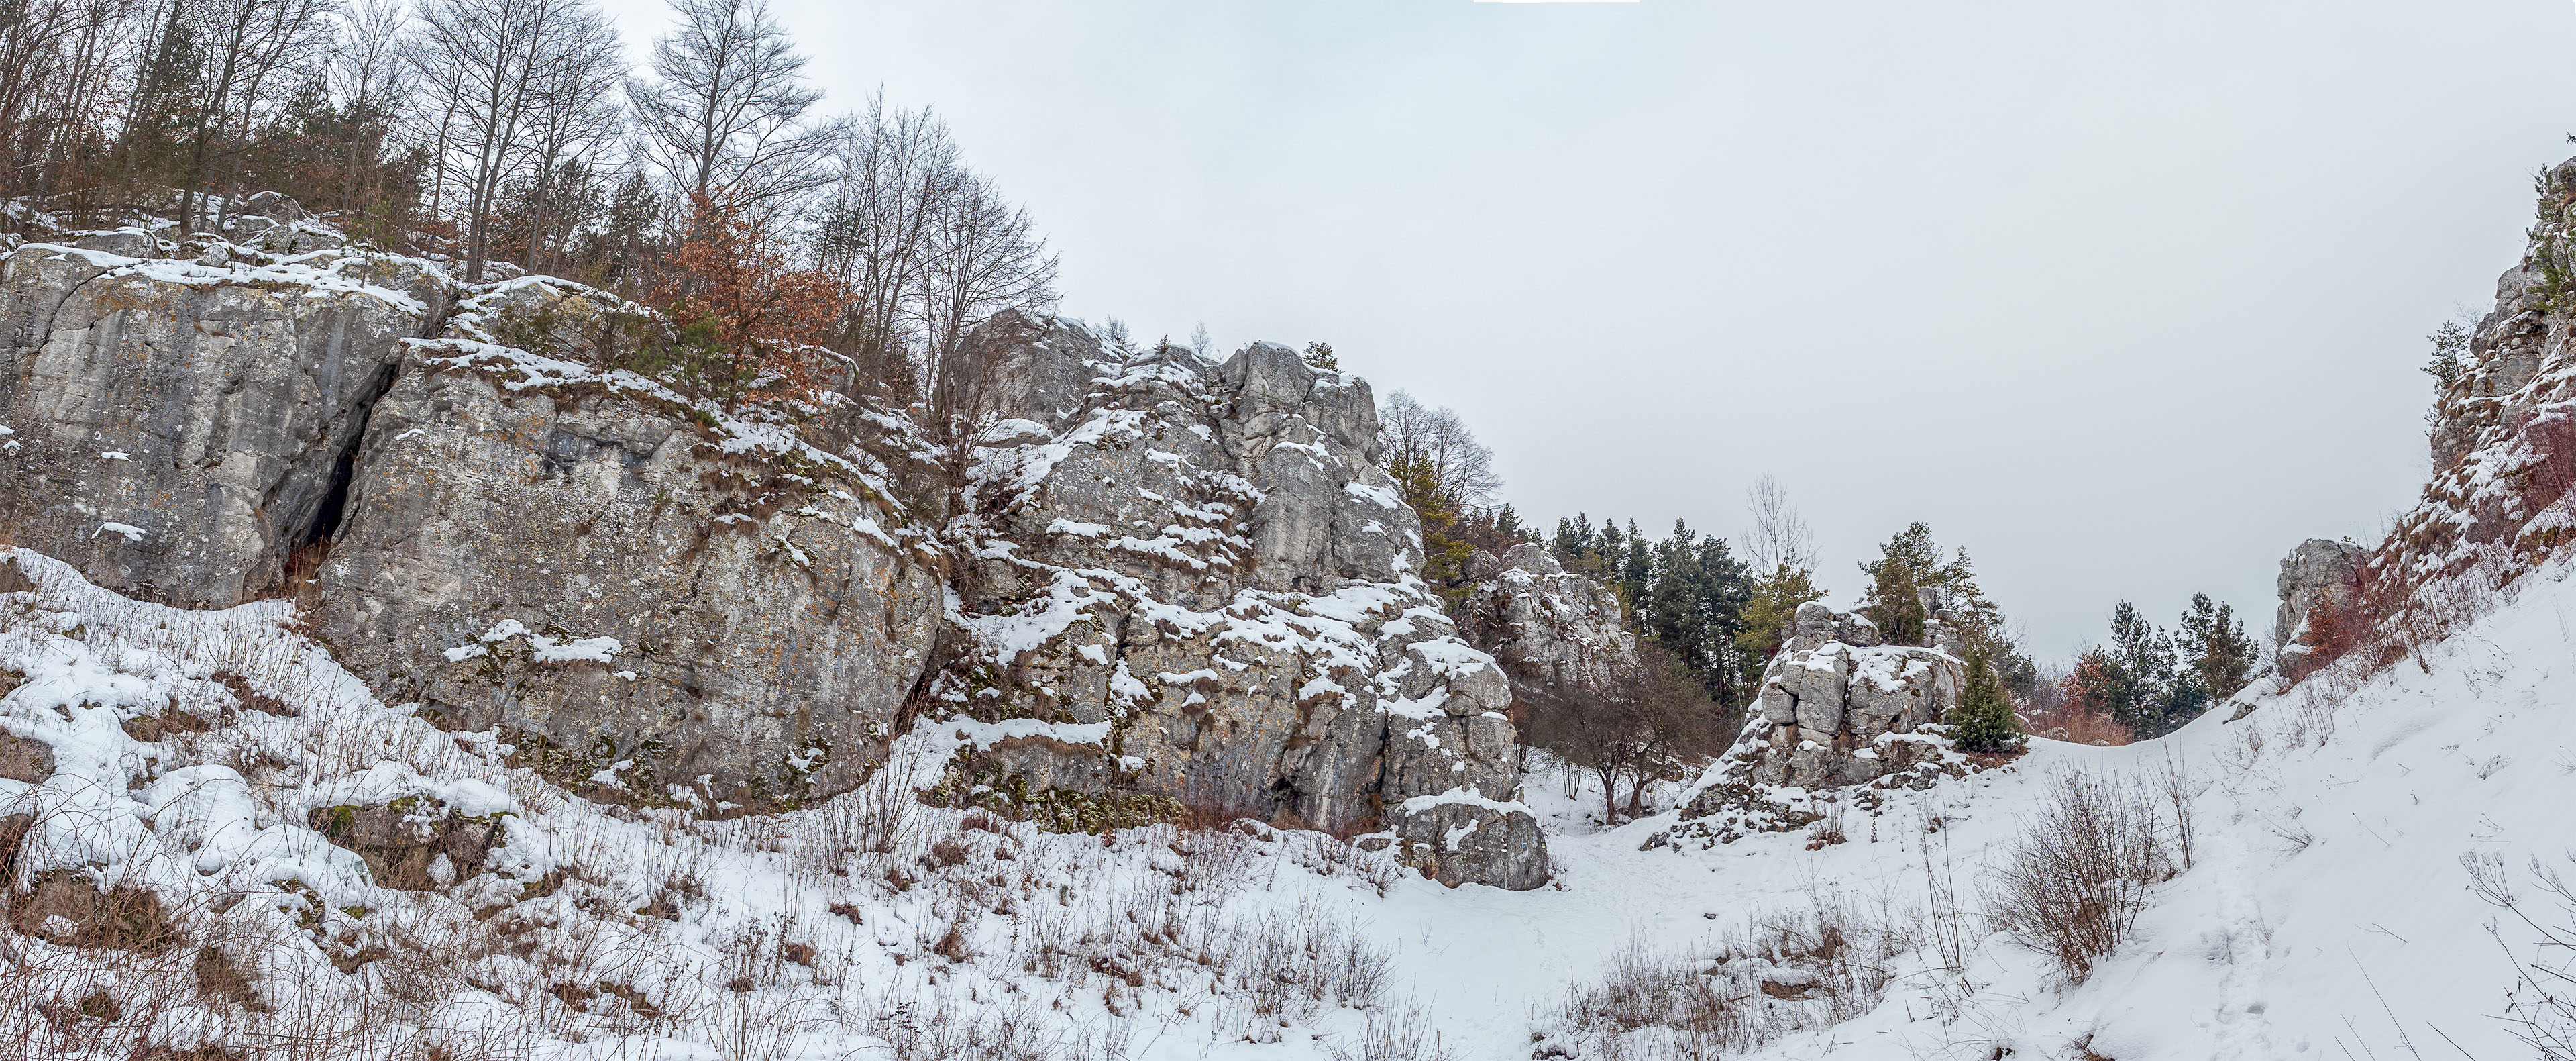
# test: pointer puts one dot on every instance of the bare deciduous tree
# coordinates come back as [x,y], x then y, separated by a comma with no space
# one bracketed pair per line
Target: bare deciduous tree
[53,59]
[897,171]
[497,71]
[983,256]
[724,117]
[1778,538]
[577,114]
[1637,726]
[365,81]
[243,48]
[1461,468]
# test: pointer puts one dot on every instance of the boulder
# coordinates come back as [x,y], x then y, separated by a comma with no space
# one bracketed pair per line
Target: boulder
[68,908]
[23,758]
[413,844]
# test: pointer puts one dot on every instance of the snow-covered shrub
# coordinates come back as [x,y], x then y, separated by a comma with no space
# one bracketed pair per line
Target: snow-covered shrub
[2074,882]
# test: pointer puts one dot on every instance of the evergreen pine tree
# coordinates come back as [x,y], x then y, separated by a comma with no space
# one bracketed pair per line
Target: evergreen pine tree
[1909,564]
[1444,554]
[1983,720]
[2138,679]
[2216,646]
[1770,602]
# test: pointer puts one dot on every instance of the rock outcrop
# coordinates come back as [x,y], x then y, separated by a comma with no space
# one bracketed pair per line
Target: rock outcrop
[177,430]
[1177,586]
[2503,430]
[1200,594]
[1839,707]
[2319,574]
[652,598]
[1550,630]
[641,599]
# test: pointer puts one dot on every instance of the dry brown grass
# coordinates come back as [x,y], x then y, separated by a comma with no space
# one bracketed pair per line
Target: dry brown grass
[2078,724]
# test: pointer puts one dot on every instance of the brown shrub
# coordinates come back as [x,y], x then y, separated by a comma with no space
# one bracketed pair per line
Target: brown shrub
[2072,885]
[2079,723]
[400,851]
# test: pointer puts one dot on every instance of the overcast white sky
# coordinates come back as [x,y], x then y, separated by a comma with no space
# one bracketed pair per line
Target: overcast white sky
[2127,298]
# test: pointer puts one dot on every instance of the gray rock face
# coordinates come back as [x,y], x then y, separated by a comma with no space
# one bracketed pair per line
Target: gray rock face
[1550,630]
[1201,593]
[176,430]
[2317,574]
[626,586]
[1835,713]
[1178,584]
[638,591]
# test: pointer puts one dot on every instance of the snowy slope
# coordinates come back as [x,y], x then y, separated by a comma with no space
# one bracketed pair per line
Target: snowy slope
[2325,915]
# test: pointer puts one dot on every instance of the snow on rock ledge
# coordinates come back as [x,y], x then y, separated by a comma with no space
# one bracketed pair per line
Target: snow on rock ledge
[1205,559]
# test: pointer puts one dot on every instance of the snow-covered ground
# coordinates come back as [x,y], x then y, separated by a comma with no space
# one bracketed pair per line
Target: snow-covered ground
[2326,911]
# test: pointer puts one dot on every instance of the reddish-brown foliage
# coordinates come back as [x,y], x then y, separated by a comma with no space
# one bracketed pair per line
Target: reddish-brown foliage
[733,292]
[2082,714]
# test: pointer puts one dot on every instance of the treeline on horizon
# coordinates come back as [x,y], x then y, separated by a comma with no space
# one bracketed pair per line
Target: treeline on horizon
[1722,609]
[787,246]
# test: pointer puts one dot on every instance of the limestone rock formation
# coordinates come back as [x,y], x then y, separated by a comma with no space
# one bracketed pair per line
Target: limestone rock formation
[1202,593]
[642,591]
[2319,574]
[1839,715]
[1837,707]
[1549,629]
[176,431]
[629,585]
[1175,585]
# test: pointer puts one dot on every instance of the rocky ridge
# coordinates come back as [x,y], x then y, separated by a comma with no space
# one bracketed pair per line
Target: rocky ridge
[1173,587]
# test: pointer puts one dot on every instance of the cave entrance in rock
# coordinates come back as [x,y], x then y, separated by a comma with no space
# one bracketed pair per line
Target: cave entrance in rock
[308,545]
